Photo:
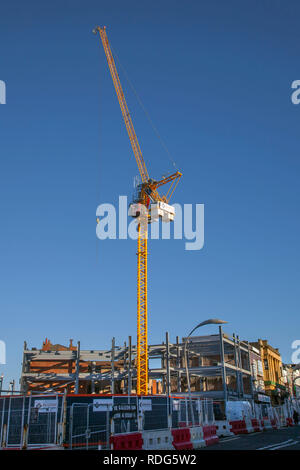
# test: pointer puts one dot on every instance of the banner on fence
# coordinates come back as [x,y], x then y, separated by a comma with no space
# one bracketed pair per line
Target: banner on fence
[100,404]
[46,406]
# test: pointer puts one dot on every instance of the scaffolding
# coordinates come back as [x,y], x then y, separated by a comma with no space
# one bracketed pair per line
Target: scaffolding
[218,366]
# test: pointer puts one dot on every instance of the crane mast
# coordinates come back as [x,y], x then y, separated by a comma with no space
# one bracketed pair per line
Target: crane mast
[147,193]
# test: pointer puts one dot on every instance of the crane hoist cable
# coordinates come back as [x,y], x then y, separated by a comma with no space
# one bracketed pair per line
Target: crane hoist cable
[155,130]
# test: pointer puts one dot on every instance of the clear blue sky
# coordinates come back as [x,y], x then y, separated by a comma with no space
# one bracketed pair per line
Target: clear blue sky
[215,77]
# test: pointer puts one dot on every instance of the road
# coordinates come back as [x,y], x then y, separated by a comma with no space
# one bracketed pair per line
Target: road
[280,439]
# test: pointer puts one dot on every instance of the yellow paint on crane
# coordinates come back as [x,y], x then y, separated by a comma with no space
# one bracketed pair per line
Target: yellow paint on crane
[148,192]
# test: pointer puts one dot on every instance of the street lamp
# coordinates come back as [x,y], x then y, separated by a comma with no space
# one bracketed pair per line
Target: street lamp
[211,321]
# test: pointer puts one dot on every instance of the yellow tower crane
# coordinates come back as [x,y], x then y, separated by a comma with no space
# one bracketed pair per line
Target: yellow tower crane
[147,196]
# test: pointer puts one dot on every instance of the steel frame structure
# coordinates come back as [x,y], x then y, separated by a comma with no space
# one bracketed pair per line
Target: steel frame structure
[123,359]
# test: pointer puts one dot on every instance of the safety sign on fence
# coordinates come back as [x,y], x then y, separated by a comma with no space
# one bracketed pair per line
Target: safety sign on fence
[46,406]
[100,404]
[124,411]
[145,404]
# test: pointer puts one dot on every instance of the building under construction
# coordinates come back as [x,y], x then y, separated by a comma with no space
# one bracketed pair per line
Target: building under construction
[218,367]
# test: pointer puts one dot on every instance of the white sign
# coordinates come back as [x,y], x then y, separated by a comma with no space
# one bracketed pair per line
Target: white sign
[100,404]
[176,405]
[46,406]
[145,404]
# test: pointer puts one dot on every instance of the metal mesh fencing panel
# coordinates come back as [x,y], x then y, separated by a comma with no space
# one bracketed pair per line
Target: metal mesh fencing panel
[151,413]
[189,412]
[184,412]
[42,418]
[125,425]
[155,412]
[89,426]
[219,408]
[100,416]
[175,410]
[27,420]
[207,408]
[15,421]
[78,424]
[280,414]
[2,417]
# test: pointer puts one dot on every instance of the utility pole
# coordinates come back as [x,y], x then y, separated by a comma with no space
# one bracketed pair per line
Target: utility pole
[168,364]
[169,399]
[223,363]
[241,366]
[178,360]
[77,368]
[129,386]
[237,364]
[113,366]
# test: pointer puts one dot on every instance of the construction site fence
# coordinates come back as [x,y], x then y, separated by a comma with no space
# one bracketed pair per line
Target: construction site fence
[260,411]
[30,421]
[88,421]
[278,413]
[91,420]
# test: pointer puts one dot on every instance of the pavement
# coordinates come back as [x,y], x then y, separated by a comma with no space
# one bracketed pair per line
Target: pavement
[279,439]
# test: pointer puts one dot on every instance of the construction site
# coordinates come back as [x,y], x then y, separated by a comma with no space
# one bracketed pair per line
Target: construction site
[187,392]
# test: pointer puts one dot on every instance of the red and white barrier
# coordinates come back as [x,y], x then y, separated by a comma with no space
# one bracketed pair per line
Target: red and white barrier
[210,435]
[273,423]
[158,440]
[256,425]
[289,422]
[238,427]
[223,429]
[182,439]
[166,439]
[197,437]
[266,424]
[249,426]
[130,441]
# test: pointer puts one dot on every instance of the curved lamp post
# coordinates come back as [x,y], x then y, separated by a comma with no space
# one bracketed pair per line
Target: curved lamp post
[294,379]
[211,321]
